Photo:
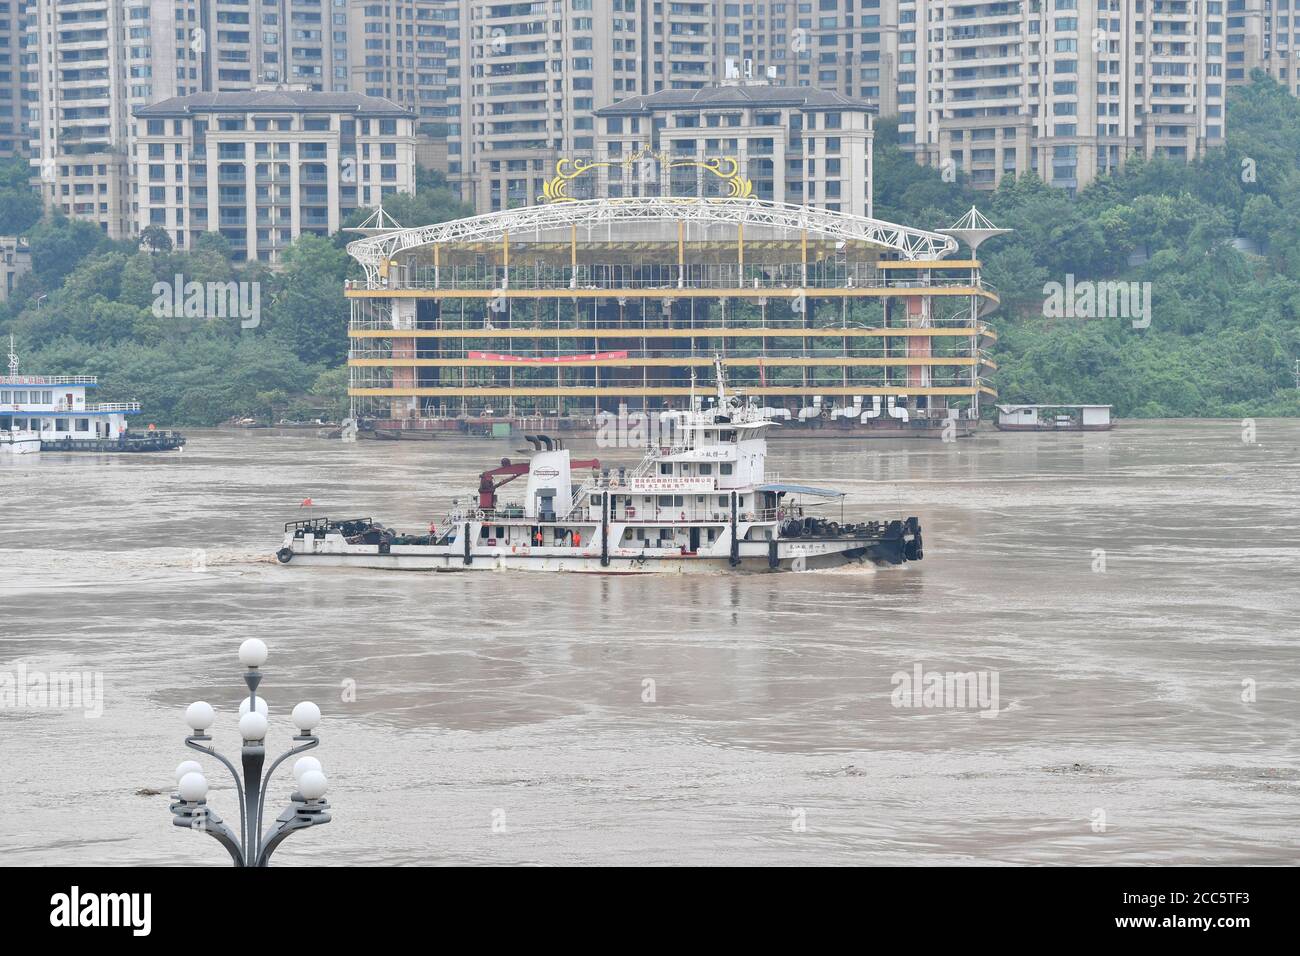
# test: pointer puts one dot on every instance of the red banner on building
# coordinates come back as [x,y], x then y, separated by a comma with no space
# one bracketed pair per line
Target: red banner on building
[544,359]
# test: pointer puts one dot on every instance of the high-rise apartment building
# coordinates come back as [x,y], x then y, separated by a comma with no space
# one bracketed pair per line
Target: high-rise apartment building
[266,166]
[529,77]
[91,62]
[793,145]
[398,50]
[1067,89]
[12,109]
[846,46]
[1264,35]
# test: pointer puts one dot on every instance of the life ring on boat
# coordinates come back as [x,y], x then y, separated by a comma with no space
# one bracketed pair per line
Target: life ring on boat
[480,515]
[284,555]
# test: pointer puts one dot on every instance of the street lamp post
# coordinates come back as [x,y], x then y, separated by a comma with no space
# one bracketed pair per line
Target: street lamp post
[307,807]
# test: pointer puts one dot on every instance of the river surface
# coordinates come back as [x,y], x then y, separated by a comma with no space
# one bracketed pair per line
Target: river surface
[1135,593]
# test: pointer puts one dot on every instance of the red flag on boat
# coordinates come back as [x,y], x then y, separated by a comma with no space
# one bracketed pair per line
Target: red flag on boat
[306,503]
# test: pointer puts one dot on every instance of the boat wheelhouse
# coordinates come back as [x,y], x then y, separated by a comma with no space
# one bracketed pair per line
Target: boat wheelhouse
[700,500]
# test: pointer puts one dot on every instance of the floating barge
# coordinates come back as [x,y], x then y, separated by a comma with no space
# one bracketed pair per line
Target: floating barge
[53,409]
[1054,418]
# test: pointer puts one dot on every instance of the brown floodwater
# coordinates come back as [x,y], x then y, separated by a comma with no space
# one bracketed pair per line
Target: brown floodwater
[1127,590]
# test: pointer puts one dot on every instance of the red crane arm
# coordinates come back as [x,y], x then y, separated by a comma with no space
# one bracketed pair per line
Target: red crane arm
[507,472]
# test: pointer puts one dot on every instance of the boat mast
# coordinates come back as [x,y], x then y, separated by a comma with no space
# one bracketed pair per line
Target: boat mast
[721,377]
[13,358]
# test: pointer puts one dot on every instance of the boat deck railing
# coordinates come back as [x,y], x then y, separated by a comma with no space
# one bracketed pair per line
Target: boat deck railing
[63,408]
[49,380]
[634,516]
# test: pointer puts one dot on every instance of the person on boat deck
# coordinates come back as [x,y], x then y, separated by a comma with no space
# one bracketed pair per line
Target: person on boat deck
[577,539]
[537,537]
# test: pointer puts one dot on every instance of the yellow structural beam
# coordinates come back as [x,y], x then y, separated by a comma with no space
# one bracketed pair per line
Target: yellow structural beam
[928,264]
[637,391]
[712,332]
[657,362]
[863,292]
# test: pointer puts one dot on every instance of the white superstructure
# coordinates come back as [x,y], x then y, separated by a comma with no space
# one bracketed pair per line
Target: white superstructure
[54,406]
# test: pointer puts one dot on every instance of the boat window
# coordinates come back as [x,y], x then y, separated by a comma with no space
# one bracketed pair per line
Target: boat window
[706,469]
[83,424]
[724,468]
[722,501]
[665,501]
[666,468]
[727,436]
[678,501]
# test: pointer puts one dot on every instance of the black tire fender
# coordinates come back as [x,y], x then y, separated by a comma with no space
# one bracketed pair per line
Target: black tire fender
[284,555]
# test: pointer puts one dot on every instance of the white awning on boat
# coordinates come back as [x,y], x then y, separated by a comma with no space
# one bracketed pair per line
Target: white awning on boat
[801,490]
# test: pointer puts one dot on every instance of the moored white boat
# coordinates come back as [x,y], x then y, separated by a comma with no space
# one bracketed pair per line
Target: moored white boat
[698,502]
[19,442]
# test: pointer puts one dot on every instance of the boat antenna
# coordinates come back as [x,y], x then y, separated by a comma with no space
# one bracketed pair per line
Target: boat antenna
[13,357]
[692,406]
[721,376]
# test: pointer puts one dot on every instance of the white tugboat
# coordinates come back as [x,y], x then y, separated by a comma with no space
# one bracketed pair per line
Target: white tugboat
[699,503]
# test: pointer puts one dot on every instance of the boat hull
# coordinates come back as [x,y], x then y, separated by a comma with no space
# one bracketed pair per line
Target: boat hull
[589,564]
[149,441]
[21,446]
[802,554]
[1053,428]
